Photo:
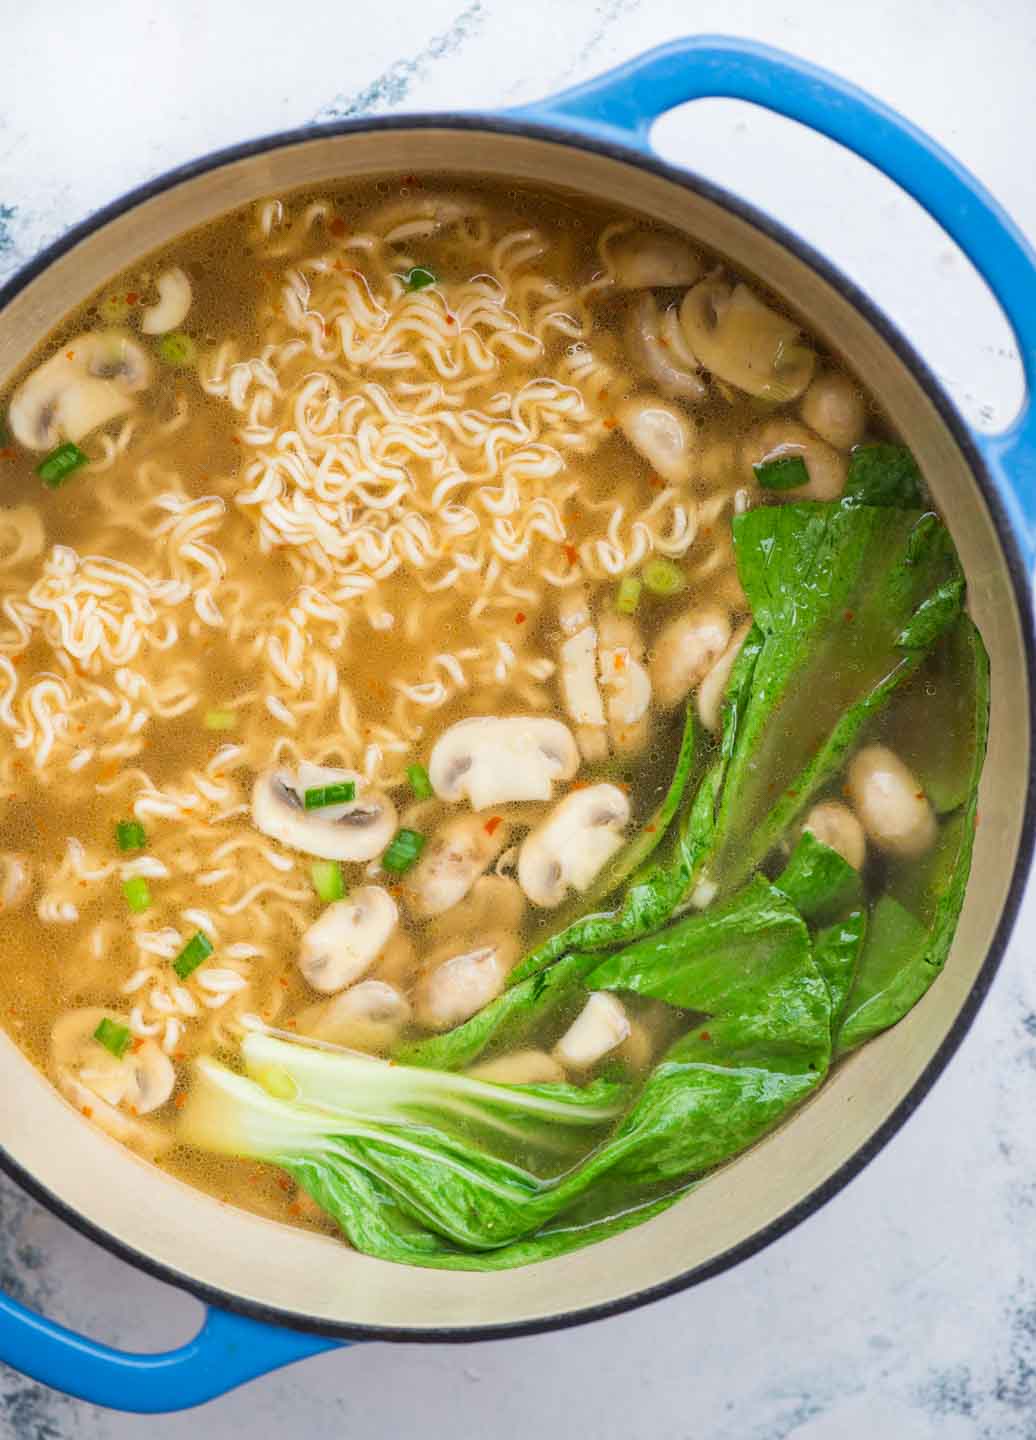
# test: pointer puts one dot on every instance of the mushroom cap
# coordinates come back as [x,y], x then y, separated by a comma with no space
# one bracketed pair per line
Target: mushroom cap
[835,826]
[662,434]
[141,1080]
[456,988]
[495,903]
[571,847]
[782,439]
[686,650]
[641,259]
[367,1016]
[357,830]
[457,854]
[835,408]
[600,1027]
[657,346]
[86,384]
[174,301]
[493,760]
[889,800]
[578,678]
[714,686]
[345,941]
[521,1067]
[744,342]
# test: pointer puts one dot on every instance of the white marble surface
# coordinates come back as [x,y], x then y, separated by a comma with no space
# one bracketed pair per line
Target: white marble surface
[907,1307]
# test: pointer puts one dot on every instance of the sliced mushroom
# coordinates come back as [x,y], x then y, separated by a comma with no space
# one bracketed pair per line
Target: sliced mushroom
[835,826]
[834,407]
[657,347]
[356,830]
[15,880]
[521,1067]
[571,847]
[686,650]
[600,1027]
[782,439]
[641,259]
[744,342]
[139,1082]
[713,688]
[492,760]
[457,854]
[86,384]
[174,301]
[349,936]
[457,987]
[626,683]
[397,963]
[638,1048]
[889,800]
[578,675]
[421,216]
[367,1016]
[21,535]
[662,434]
[495,903]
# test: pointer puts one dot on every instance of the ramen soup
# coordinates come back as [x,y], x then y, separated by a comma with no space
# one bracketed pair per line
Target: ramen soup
[488,716]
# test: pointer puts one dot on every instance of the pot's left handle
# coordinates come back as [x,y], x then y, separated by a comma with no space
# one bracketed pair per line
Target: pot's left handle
[227,1351]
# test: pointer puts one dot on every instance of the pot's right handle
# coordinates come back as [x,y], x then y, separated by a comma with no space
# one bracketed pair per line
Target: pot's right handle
[621,106]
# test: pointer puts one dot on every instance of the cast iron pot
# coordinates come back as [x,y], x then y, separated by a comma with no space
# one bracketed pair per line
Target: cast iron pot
[277,1293]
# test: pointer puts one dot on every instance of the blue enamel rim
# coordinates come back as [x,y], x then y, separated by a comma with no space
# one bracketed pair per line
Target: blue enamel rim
[573,138]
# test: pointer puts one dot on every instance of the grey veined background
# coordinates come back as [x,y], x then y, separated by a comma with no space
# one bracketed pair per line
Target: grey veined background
[907,1307]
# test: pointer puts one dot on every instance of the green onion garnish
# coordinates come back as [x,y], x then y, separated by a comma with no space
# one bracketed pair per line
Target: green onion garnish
[138,894]
[114,1037]
[130,835]
[662,577]
[328,880]
[321,795]
[197,949]
[220,719]
[178,350]
[784,472]
[628,598]
[405,847]
[420,783]
[419,278]
[55,469]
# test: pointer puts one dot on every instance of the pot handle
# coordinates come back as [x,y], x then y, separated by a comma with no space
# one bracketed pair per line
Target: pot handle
[227,1351]
[621,106]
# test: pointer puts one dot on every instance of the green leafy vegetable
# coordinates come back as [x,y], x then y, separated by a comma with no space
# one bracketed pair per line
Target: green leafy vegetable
[883,475]
[419,278]
[56,467]
[130,835]
[817,881]
[785,472]
[114,1037]
[197,949]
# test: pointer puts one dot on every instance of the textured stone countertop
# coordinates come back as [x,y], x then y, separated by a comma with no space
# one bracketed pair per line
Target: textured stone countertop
[907,1307]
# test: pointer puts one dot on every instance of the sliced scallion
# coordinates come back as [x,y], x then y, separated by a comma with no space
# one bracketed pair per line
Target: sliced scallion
[130,835]
[328,880]
[56,467]
[662,577]
[220,719]
[628,597]
[419,278]
[419,780]
[178,350]
[138,894]
[783,472]
[197,949]
[403,851]
[114,1037]
[320,796]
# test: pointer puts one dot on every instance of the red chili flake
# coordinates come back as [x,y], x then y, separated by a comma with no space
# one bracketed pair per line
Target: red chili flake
[294,1208]
[285,1183]
[337,226]
[619,661]
[137,1045]
[650,829]
[571,553]
[409,179]
[132,297]
[656,481]
[791,792]
[88,1111]
[451,319]
[706,531]
[291,1024]
[70,354]
[610,424]
[520,617]
[849,617]
[493,824]
[919,795]
[281,981]
[8,452]
[704,1035]
[180,1101]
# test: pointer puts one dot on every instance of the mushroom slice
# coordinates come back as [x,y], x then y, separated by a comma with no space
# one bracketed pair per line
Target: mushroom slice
[368,1016]
[493,760]
[674,371]
[891,803]
[15,880]
[495,903]
[713,688]
[574,843]
[344,943]
[835,408]
[835,826]
[662,434]
[686,650]
[627,683]
[600,1027]
[744,342]
[641,259]
[578,674]
[454,989]
[141,1135]
[174,301]
[21,535]
[521,1067]
[90,382]
[784,439]
[140,1081]
[457,854]
[356,830]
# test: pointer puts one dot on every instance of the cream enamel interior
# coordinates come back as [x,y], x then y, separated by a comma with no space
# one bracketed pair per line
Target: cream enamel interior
[305,1276]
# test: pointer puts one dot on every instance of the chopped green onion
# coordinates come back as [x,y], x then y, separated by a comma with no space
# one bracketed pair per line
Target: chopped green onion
[322,795]
[114,1037]
[662,577]
[784,472]
[197,949]
[178,350]
[328,880]
[628,598]
[419,278]
[138,894]
[130,835]
[56,467]
[420,783]
[220,719]
[405,847]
